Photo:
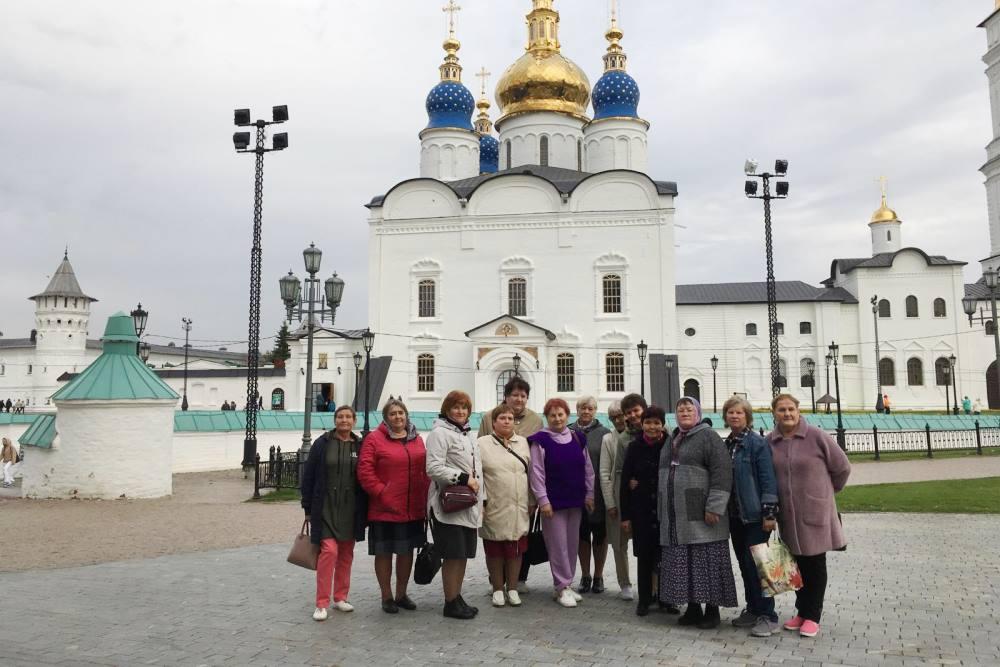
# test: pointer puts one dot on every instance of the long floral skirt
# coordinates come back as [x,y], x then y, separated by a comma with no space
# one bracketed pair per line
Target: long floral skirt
[697,573]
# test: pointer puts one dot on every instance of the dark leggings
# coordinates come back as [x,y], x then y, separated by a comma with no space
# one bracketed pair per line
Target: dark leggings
[646,544]
[809,598]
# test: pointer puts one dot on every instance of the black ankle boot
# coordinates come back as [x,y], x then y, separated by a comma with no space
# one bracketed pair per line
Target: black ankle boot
[692,615]
[455,609]
[461,601]
[711,618]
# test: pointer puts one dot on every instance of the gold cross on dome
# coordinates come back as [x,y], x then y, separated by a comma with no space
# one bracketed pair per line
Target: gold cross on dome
[483,74]
[883,184]
[451,8]
[614,13]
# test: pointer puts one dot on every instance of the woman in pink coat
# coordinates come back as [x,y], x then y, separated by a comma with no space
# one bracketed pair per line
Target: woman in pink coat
[810,468]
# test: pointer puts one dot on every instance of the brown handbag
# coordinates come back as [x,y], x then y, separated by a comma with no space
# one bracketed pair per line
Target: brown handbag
[457,497]
[304,553]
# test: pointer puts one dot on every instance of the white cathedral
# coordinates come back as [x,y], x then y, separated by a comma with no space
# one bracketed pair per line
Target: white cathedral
[549,252]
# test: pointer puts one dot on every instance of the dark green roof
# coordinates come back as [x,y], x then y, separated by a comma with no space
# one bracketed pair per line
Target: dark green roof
[41,433]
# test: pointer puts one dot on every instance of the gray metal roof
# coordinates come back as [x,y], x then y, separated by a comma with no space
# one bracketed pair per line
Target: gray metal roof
[884,260]
[15,343]
[978,289]
[63,283]
[564,180]
[788,291]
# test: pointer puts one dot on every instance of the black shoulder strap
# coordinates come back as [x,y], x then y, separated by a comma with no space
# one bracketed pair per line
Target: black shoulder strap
[512,452]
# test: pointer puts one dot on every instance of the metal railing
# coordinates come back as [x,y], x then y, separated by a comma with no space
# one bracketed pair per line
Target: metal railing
[277,472]
[878,442]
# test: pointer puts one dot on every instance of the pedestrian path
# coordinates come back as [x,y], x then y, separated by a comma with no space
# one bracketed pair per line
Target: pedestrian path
[910,590]
[923,470]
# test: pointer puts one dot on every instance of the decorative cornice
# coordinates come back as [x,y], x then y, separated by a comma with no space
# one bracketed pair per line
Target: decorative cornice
[501,223]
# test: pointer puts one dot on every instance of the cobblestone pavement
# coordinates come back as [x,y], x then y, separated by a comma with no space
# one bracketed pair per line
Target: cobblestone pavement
[911,589]
[883,472]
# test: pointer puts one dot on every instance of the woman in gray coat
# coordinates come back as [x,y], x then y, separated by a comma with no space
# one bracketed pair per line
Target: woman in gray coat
[696,477]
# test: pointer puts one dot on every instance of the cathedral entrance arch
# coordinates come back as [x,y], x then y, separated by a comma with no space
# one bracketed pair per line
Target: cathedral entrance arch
[992,392]
[692,389]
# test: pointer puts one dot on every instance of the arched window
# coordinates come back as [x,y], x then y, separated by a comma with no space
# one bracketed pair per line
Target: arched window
[805,327]
[3,369]
[543,151]
[278,399]
[782,373]
[884,309]
[565,372]
[579,154]
[915,372]
[692,389]
[807,380]
[779,328]
[517,297]
[427,299]
[751,329]
[507,151]
[887,372]
[940,310]
[942,372]
[425,372]
[614,364]
[612,288]
[912,309]
[502,381]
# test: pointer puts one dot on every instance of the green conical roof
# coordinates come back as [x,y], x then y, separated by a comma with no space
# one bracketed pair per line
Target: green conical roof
[118,374]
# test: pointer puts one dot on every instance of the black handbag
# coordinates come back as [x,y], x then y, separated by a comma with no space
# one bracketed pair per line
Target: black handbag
[537,553]
[427,563]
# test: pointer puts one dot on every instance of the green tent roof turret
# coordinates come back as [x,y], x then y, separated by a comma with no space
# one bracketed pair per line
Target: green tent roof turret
[118,374]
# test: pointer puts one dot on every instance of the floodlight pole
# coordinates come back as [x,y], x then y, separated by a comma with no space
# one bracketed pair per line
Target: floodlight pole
[879,404]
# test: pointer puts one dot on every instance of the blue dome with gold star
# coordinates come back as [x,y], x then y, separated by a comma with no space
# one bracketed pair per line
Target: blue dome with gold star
[616,95]
[489,154]
[450,104]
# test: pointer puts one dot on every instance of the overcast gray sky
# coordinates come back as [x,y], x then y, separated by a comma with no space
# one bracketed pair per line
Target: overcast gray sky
[117,130]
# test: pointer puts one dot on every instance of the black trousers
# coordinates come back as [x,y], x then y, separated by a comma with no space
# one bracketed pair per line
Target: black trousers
[646,545]
[809,598]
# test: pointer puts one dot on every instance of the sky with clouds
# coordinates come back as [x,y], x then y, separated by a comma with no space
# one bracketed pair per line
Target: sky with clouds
[118,122]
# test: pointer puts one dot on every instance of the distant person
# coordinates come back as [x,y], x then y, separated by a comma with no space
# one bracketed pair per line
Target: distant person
[225,406]
[885,403]
[19,409]
[8,457]
[977,407]
[8,405]
[966,405]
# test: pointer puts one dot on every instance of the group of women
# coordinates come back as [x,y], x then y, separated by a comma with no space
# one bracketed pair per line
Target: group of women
[681,497]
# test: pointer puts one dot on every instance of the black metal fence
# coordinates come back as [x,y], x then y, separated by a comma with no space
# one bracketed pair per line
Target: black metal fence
[878,442]
[277,472]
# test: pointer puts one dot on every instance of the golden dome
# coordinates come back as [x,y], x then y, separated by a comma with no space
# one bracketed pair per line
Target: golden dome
[884,213]
[543,79]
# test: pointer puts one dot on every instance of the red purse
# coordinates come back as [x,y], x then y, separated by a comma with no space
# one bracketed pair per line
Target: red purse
[457,497]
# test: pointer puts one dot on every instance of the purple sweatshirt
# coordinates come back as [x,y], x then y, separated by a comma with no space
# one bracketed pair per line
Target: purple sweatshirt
[538,477]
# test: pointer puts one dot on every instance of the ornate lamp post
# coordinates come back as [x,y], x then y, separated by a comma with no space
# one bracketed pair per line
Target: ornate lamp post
[781,192]
[368,341]
[811,369]
[670,382]
[715,367]
[946,371]
[186,325]
[144,351]
[879,405]
[241,141]
[992,282]
[829,360]
[517,364]
[643,350]
[835,354]
[139,318]
[954,385]
[357,377]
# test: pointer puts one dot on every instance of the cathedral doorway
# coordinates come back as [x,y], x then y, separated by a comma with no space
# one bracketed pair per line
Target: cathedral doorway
[692,389]
[992,392]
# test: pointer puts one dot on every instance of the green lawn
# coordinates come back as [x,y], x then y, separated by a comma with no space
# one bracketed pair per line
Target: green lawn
[282,496]
[959,496]
[910,456]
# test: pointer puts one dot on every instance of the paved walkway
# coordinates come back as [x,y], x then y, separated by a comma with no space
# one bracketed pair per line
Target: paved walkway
[910,590]
[884,472]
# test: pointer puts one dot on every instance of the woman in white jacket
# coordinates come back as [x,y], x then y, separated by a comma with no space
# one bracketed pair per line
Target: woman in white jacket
[453,458]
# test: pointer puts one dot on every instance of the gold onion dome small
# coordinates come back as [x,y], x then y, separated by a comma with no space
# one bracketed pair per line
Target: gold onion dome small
[543,79]
[884,213]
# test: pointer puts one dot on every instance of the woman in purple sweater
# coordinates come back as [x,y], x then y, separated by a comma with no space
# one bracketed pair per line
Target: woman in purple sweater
[562,479]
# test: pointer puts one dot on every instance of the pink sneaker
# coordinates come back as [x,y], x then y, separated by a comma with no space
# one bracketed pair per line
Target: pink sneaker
[809,629]
[794,623]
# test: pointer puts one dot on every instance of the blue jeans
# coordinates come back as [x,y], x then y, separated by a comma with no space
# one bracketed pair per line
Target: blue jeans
[744,536]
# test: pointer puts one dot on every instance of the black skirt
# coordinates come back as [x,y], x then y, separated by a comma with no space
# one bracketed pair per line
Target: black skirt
[386,538]
[453,542]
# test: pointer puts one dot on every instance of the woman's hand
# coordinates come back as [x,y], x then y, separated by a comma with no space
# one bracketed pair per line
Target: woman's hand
[546,511]
[474,484]
[711,518]
[770,525]
[633,484]
[589,504]
[627,527]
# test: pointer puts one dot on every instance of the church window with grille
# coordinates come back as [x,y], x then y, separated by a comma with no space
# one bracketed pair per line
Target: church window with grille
[565,372]
[612,288]
[912,308]
[427,297]
[614,364]
[940,310]
[751,329]
[884,308]
[517,297]
[507,152]
[579,154]
[915,372]
[782,373]
[887,372]
[425,372]
[543,151]
[942,372]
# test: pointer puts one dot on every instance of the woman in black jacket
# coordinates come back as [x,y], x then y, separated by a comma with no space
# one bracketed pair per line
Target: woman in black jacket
[335,507]
[640,476]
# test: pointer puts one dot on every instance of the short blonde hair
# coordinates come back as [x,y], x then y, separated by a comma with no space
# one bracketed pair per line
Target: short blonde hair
[744,404]
[586,400]
[783,397]
[615,409]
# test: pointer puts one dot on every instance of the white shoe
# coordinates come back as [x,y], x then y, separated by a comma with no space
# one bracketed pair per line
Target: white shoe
[343,606]
[513,599]
[566,598]
[320,614]
[626,593]
[498,599]
[576,596]
[523,588]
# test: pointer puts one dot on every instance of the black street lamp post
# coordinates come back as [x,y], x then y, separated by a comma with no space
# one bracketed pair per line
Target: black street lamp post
[946,371]
[368,340]
[954,385]
[144,351]
[829,360]
[186,325]
[715,400]
[517,364]
[357,377]
[879,404]
[139,318]
[811,369]
[241,141]
[835,354]
[670,383]
[781,192]
[643,350]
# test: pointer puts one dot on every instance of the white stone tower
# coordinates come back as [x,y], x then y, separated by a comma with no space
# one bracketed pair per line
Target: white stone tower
[886,227]
[991,170]
[62,315]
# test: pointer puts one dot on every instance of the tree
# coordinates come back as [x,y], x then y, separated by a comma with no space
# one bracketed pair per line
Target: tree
[281,352]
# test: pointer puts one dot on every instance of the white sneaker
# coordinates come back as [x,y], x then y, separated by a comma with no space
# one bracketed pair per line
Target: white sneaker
[513,599]
[343,606]
[566,598]
[523,588]
[498,599]
[320,614]
[576,596]
[626,593]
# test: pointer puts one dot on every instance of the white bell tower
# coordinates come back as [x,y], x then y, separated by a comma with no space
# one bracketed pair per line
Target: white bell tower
[62,315]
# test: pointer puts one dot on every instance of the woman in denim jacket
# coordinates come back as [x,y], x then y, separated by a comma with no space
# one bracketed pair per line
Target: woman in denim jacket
[753,508]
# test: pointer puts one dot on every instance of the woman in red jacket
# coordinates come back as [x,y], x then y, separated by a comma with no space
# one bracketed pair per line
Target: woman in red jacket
[391,472]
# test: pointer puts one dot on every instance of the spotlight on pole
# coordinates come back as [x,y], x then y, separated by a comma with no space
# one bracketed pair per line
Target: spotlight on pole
[241,117]
[780,167]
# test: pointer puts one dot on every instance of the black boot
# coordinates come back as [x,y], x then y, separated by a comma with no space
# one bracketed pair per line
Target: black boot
[585,583]
[711,618]
[455,609]
[692,615]
[642,609]
[461,601]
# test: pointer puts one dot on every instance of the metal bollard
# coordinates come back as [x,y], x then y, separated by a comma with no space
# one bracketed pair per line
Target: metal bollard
[875,433]
[930,454]
[256,476]
[979,440]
